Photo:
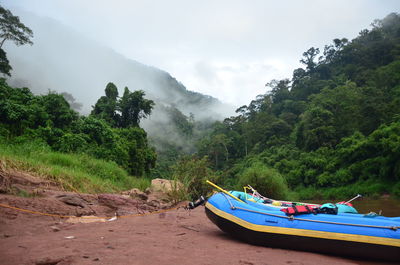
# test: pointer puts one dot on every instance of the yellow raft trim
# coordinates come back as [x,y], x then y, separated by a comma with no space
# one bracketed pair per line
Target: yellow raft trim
[304,232]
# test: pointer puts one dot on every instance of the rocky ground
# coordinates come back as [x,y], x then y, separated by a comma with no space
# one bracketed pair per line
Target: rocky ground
[125,230]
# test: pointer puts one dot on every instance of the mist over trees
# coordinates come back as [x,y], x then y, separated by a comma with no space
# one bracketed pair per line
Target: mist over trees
[65,61]
[333,126]
[73,63]
[331,130]
[112,133]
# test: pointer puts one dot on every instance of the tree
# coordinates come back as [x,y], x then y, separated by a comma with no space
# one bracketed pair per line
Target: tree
[279,90]
[125,111]
[344,103]
[331,51]
[111,91]
[11,28]
[309,57]
[218,147]
[334,124]
[5,66]
[279,93]
[58,110]
[181,122]
[141,157]
[133,107]
[315,129]
[106,106]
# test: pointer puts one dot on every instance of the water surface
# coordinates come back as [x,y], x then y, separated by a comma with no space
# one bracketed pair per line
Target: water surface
[385,206]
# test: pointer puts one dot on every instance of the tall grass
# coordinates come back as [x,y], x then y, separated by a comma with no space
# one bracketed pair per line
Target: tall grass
[74,172]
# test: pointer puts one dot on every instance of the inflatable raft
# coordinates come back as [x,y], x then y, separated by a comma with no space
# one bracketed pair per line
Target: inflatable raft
[344,234]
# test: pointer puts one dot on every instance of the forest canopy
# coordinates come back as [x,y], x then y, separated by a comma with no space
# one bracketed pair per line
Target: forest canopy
[331,130]
[335,123]
[49,119]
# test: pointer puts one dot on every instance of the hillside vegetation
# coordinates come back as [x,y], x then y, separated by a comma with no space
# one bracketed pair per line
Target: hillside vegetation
[44,135]
[72,172]
[332,130]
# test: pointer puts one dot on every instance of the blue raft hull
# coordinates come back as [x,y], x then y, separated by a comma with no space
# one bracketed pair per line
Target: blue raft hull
[352,235]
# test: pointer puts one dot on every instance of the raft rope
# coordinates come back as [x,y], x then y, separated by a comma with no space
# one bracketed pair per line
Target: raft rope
[292,218]
[86,217]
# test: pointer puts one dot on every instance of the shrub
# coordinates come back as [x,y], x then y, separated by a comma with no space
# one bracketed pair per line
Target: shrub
[71,143]
[266,181]
[193,172]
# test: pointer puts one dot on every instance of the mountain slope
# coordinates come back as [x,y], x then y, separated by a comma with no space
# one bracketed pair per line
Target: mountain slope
[66,61]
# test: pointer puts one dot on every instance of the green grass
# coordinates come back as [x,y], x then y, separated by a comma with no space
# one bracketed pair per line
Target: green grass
[74,172]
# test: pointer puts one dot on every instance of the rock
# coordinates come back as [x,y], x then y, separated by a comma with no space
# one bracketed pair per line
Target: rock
[55,228]
[165,185]
[165,205]
[115,201]
[154,203]
[138,194]
[84,211]
[38,192]
[48,261]
[54,261]
[72,199]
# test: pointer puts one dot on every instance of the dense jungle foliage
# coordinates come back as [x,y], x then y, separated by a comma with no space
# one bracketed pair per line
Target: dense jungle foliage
[331,130]
[49,119]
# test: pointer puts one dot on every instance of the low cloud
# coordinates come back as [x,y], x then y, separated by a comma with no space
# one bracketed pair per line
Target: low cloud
[178,35]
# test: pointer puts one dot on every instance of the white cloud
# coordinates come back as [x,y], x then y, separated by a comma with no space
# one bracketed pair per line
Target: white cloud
[233,82]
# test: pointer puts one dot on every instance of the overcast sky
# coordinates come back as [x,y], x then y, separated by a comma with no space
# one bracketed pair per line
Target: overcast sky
[225,48]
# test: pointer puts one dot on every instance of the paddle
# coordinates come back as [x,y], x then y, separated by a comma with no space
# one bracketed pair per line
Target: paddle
[358,196]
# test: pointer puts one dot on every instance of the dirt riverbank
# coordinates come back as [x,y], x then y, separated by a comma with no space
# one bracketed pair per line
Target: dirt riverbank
[173,237]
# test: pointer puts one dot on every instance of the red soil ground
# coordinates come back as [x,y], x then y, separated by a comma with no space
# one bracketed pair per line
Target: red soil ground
[174,237]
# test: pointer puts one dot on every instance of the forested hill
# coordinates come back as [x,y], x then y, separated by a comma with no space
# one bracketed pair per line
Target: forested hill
[64,60]
[333,128]
[330,131]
